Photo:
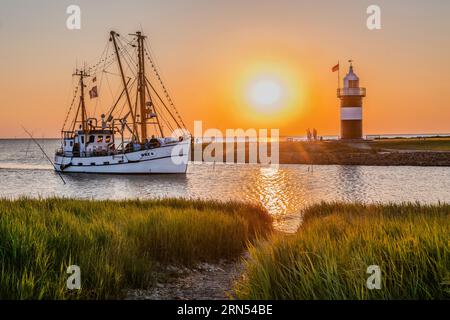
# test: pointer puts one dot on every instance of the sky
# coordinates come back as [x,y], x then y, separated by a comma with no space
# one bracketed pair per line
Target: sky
[222,59]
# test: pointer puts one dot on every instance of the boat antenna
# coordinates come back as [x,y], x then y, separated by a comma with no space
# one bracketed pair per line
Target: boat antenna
[46,156]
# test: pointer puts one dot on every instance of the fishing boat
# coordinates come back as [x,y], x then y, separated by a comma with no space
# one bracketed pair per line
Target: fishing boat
[142,131]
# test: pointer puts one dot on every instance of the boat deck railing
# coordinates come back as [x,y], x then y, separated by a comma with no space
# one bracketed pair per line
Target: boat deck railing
[122,149]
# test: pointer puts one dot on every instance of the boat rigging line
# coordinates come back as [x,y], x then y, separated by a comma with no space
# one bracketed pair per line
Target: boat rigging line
[155,69]
[43,151]
[70,108]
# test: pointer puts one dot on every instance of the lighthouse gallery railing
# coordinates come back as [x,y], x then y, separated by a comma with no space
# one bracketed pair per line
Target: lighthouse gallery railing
[361,92]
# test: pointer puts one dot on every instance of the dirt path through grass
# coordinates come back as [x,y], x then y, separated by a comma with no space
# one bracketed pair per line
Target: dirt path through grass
[204,282]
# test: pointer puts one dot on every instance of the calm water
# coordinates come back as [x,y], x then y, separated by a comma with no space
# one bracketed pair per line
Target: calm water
[284,191]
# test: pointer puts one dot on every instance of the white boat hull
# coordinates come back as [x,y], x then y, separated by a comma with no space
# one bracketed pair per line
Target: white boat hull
[171,158]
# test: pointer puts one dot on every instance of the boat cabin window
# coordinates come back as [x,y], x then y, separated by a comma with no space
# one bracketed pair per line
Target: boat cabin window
[82,139]
[108,139]
[71,143]
[91,139]
[99,139]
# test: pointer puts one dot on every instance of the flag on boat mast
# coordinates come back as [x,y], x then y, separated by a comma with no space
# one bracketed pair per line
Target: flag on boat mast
[93,92]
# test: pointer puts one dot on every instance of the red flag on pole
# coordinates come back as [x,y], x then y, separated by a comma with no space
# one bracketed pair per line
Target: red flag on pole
[335,68]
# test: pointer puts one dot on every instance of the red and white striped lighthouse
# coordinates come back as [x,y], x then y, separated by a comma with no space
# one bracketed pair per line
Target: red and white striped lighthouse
[351,96]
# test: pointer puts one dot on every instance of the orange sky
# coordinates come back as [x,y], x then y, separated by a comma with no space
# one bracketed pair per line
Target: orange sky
[211,51]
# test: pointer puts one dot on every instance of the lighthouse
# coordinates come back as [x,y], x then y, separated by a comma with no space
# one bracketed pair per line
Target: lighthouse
[351,96]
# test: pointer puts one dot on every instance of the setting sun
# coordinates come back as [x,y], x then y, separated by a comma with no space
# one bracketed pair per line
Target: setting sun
[266,94]
[270,92]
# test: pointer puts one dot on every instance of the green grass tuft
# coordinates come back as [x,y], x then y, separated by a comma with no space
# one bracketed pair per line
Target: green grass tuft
[328,257]
[116,244]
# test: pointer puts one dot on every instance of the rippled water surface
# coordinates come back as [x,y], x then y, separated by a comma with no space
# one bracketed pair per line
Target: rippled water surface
[284,191]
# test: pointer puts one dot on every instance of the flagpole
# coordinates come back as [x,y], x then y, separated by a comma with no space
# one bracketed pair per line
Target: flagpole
[339,75]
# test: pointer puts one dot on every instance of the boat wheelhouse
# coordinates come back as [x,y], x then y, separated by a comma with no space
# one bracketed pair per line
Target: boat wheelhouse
[92,143]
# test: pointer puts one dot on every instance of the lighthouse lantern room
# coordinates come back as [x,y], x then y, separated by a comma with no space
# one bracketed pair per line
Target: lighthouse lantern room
[351,96]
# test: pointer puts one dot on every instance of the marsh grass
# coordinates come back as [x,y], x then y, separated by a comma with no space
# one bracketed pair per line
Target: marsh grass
[328,257]
[116,244]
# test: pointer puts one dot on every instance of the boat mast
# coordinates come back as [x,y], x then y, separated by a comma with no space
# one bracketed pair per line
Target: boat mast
[142,89]
[141,85]
[82,74]
[113,38]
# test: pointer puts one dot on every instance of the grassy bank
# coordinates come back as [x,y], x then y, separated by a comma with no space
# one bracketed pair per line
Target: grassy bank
[328,257]
[117,245]
[428,144]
